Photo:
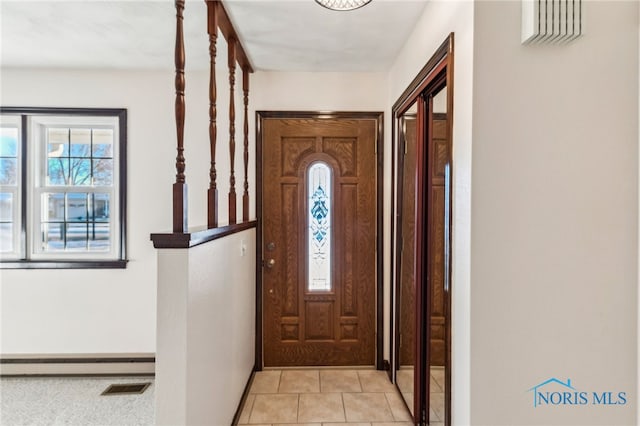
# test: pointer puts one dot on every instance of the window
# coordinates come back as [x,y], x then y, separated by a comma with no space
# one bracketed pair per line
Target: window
[319,227]
[62,187]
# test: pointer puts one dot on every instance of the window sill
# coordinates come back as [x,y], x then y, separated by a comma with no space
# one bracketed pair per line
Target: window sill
[63,264]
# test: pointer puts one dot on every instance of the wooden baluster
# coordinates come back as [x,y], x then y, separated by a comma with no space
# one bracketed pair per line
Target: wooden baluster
[232,130]
[212,192]
[180,186]
[245,195]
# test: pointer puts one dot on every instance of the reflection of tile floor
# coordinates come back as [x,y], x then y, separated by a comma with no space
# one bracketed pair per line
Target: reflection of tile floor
[324,397]
[436,388]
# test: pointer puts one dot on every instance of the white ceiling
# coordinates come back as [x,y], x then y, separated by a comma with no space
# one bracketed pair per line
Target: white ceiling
[293,35]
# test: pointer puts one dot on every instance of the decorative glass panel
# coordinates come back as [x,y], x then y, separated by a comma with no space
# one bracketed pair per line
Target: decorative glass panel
[319,229]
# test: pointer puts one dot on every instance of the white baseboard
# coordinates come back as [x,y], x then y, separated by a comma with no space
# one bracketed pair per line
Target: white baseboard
[76,364]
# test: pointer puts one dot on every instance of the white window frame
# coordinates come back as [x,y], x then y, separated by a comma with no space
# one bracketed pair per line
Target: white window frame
[30,251]
[18,247]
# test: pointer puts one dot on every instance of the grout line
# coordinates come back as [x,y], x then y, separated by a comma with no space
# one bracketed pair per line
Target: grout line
[298,410]
[344,407]
[279,381]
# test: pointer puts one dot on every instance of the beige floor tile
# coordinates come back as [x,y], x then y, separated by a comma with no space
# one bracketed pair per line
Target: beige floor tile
[299,381]
[246,410]
[375,381]
[404,378]
[393,424]
[240,424]
[438,374]
[266,382]
[346,424]
[367,407]
[398,407]
[436,402]
[321,407]
[339,381]
[299,424]
[433,417]
[434,386]
[274,408]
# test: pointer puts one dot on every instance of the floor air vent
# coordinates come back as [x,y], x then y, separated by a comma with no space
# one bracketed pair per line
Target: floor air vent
[127,389]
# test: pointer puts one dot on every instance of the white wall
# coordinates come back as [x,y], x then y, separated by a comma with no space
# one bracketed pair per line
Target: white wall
[206,330]
[554,252]
[113,311]
[438,20]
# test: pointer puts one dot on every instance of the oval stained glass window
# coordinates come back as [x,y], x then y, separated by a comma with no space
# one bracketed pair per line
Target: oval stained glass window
[319,227]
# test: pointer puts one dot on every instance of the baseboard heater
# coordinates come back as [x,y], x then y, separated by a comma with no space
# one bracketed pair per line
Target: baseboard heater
[77,365]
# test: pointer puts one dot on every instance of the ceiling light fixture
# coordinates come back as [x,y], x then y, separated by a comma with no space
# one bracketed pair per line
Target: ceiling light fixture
[342,5]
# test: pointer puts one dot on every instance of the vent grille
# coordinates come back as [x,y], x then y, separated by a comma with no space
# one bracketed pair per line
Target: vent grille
[126,389]
[551,21]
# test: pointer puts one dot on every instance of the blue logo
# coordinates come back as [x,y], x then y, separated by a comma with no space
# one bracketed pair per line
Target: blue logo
[555,392]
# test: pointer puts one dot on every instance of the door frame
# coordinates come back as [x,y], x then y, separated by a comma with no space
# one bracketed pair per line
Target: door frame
[437,72]
[321,115]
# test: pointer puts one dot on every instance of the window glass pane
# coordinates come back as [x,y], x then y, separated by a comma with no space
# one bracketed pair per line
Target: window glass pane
[57,171]
[6,237]
[57,143]
[8,171]
[319,228]
[80,143]
[8,142]
[53,236]
[103,143]
[76,236]
[52,207]
[77,207]
[99,237]
[79,172]
[6,207]
[103,172]
[101,207]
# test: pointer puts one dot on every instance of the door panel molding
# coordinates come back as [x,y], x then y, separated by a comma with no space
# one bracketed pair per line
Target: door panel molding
[345,328]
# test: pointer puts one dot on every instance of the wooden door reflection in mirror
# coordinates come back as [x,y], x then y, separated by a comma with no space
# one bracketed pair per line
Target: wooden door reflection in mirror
[407,285]
[422,235]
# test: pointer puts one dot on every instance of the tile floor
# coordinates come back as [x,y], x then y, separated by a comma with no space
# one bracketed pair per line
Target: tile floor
[324,397]
[436,388]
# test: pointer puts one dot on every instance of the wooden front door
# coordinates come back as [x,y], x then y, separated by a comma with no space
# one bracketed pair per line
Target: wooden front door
[319,241]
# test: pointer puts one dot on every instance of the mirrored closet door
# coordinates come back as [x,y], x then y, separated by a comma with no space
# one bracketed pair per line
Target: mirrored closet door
[422,235]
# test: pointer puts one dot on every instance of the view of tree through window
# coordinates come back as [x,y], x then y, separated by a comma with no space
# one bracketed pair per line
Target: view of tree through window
[72,208]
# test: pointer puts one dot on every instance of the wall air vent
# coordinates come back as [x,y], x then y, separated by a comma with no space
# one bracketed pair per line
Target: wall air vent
[551,21]
[124,389]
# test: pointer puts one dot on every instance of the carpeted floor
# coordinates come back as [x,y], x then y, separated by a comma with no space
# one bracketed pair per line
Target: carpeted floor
[73,401]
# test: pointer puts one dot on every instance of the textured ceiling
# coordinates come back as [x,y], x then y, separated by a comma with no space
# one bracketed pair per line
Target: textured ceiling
[294,35]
